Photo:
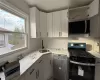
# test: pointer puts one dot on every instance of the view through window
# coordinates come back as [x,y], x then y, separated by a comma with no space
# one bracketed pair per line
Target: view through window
[12,32]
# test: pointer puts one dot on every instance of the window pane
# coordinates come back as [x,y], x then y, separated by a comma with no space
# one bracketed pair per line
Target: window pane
[12,32]
[2,40]
[11,22]
[13,41]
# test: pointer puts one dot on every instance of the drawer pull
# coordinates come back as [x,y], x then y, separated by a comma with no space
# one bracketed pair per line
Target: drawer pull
[32,71]
[40,61]
[36,75]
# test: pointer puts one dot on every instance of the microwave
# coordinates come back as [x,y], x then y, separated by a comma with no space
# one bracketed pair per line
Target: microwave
[79,27]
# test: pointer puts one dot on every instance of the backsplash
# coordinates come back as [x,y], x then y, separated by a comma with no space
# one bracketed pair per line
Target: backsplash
[61,43]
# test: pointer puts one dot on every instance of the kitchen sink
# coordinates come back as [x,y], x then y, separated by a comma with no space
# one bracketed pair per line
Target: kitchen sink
[43,51]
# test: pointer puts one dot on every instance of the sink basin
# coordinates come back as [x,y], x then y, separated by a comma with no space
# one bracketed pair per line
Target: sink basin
[43,51]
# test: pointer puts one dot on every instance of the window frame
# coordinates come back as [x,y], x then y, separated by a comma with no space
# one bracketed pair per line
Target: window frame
[4,40]
[13,10]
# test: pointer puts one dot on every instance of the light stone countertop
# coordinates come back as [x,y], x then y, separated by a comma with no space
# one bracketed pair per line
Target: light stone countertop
[29,60]
[26,62]
[96,54]
[65,52]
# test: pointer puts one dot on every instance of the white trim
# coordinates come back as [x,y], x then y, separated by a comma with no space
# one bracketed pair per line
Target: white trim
[78,8]
[8,6]
[11,8]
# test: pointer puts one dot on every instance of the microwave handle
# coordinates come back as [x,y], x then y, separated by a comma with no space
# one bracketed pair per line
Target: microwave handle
[84,64]
[85,26]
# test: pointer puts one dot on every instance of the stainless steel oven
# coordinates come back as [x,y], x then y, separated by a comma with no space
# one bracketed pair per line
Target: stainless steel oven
[81,71]
[82,63]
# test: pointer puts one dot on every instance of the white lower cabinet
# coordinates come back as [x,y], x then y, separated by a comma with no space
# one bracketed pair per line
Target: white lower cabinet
[31,74]
[40,70]
[48,67]
[22,77]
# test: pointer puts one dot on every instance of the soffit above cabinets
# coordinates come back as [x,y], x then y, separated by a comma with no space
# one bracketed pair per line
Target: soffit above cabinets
[51,5]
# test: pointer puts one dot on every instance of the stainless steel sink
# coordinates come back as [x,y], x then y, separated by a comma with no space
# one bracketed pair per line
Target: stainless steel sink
[43,51]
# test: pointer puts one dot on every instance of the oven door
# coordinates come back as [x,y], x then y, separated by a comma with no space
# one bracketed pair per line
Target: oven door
[81,71]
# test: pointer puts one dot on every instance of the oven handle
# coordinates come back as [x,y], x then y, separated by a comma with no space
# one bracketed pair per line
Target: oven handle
[84,64]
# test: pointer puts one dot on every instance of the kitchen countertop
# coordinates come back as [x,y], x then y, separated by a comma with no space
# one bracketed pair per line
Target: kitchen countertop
[29,60]
[26,62]
[96,54]
[65,52]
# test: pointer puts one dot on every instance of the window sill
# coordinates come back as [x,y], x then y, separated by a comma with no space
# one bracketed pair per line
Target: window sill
[13,52]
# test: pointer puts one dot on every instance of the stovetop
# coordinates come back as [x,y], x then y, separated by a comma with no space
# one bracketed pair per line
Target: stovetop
[81,56]
[80,53]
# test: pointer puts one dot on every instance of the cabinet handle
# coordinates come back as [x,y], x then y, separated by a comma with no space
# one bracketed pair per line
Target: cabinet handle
[37,34]
[47,34]
[50,61]
[40,61]
[38,73]
[32,71]
[59,34]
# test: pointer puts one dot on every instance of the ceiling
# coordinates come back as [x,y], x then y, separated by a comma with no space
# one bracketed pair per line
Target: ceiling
[50,5]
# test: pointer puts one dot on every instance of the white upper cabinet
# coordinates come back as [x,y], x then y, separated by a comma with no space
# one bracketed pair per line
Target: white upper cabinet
[77,14]
[64,23]
[35,22]
[43,24]
[56,23]
[93,8]
[49,24]
[95,26]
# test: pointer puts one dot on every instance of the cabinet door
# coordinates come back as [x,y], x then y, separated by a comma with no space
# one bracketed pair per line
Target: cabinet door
[34,22]
[31,73]
[56,23]
[48,68]
[49,24]
[78,14]
[40,69]
[93,8]
[64,23]
[43,24]
[22,77]
[37,23]
[94,29]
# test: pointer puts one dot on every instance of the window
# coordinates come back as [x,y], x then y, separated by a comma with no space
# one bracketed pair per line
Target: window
[2,40]
[12,32]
